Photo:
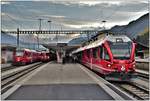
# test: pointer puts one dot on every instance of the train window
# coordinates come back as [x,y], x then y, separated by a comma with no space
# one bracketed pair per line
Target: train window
[106,55]
[95,51]
[88,53]
[25,53]
[121,50]
[101,52]
[19,53]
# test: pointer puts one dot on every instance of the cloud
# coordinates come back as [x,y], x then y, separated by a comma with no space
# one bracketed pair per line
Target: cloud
[53,16]
[74,14]
[96,25]
[96,2]
[85,2]
[5,2]
[88,25]
[93,3]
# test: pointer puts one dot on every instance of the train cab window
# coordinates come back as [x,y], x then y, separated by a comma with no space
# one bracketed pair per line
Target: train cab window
[95,51]
[106,55]
[27,53]
[19,53]
[101,52]
[121,50]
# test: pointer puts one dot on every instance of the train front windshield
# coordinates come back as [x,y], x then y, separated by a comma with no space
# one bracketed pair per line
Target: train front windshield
[19,53]
[121,50]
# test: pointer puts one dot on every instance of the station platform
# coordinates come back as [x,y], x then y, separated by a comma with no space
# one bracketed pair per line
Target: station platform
[6,65]
[63,82]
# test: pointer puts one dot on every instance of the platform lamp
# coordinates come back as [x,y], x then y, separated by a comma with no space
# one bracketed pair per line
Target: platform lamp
[40,28]
[49,21]
[104,21]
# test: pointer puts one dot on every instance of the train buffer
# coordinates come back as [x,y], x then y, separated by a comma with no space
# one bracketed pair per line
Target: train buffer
[53,81]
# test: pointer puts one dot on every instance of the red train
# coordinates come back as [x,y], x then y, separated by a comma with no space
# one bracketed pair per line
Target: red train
[45,56]
[27,56]
[111,55]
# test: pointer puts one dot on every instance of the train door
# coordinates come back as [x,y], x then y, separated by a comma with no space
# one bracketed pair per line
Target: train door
[95,55]
[105,58]
[84,56]
[88,55]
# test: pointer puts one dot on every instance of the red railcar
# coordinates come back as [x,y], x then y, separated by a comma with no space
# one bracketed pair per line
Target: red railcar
[45,56]
[22,57]
[111,55]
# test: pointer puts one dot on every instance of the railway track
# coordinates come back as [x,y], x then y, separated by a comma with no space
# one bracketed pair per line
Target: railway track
[8,79]
[142,73]
[145,76]
[135,90]
[9,68]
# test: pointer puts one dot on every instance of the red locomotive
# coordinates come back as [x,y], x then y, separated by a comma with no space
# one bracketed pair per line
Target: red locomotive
[111,55]
[27,56]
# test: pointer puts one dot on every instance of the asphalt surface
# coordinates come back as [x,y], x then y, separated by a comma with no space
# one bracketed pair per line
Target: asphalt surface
[60,82]
[60,92]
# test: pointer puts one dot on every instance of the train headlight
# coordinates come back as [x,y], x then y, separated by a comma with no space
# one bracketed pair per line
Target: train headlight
[133,65]
[122,68]
[108,65]
[18,59]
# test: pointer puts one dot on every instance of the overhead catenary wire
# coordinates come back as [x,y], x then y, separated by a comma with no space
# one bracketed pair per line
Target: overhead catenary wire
[14,20]
[24,17]
[114,12]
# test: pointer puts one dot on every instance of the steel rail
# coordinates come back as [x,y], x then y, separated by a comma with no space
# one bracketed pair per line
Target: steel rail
[135,90]
[8,81]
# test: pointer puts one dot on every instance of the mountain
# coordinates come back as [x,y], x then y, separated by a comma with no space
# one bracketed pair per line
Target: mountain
[134,28]
[7,39]
[137,29]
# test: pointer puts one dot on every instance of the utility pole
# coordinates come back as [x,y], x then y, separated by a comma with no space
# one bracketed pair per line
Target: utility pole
[18,37]
[40,20]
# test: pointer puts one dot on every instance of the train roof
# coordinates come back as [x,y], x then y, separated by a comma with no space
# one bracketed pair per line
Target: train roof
[113,38]
[99,42]
[22,49]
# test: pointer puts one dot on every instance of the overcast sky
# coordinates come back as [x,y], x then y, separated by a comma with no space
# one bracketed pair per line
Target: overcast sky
[70,14]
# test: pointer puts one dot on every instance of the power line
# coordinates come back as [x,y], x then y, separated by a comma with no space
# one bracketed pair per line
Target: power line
[14,20]
[27,17]
[112,14]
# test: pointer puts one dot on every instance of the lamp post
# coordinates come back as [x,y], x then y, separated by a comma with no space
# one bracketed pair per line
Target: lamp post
[49,24]
[18,37]
[104,24]
[40,20]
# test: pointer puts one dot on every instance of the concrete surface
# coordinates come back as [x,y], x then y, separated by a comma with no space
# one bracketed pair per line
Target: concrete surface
[60,82]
